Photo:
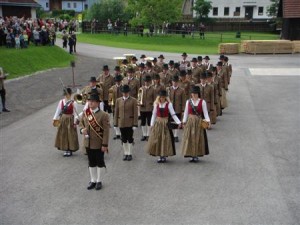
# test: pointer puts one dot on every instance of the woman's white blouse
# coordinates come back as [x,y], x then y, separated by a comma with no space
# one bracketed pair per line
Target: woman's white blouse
[171,111]
[195,103]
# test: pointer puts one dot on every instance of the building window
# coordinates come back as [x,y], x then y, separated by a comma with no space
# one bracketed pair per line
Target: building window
[69,5]
[215,11]
[237,11]
[226,11]
[74,5]
[86,6]
[47,5]
[260,11]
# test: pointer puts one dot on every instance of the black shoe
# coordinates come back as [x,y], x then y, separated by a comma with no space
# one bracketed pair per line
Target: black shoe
[98,186]
[91,186]
[5,110]
[176,139]
[66,154]
[117,137]
[194,159]
[125,157]
[144,138]
[147,138]
[129,158]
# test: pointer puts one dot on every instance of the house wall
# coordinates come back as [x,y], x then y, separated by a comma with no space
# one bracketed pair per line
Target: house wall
[242,4]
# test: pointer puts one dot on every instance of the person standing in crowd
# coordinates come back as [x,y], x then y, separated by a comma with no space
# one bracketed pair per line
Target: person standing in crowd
[140,74]
[95,128]
[224,84]
[71,44]
[178,98]
[165,76]
[195,142]
[184,63]
[185,84]
[146,106]
[160,62]
[202,30]
[126,119]
[207,93]
[161,139]
[73,35]
[2,90]
[132,82]
[208,65]
[218,91]
[115,92]
[125,29]
[65,39]
[158,87]
[196,71]
[66,137]
[106,82]
[36,36]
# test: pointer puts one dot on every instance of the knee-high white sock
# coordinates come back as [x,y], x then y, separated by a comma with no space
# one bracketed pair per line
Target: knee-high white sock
[175,132]
[93,174]
[125,148]
[130,148]
[144,130]
[98,174]
[117,130]
[148,131]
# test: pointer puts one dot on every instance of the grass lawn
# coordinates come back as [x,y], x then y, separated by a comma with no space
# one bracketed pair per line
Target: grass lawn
[174,42]
[27,61]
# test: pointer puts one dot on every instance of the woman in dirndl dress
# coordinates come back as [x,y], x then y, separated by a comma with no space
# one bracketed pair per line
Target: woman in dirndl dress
[66,136]
[195,142]
[161,139]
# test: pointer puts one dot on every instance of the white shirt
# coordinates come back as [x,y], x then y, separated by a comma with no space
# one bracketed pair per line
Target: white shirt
[59,111]
[171,111]
[204,109]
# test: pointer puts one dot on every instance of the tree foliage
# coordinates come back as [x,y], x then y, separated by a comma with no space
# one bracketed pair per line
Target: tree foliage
[108,9]
[202,8]
[154,11]
[272,10]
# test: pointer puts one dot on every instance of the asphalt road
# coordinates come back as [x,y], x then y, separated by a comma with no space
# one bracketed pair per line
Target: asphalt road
[250,177]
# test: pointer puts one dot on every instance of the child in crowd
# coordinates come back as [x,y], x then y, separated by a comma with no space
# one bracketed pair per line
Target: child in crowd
[17,41]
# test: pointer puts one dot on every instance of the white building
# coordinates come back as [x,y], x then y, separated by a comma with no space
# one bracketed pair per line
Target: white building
[232,9]
[76,5]
[248,9]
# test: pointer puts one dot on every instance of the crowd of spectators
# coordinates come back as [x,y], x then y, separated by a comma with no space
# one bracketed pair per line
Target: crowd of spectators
[20,32]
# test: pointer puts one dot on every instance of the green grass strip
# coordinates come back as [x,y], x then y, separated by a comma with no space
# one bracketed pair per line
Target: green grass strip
[20,62]
[172,43]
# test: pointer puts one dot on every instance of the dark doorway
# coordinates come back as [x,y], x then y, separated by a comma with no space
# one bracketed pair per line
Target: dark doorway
[249,12]
[16,11]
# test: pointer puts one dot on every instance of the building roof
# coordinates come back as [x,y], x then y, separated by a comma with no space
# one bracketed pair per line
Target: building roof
[27,3]
[291,8]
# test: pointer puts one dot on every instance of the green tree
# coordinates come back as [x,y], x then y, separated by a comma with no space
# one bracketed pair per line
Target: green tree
[272,10]
[154,12]
[202,8]
[108,9]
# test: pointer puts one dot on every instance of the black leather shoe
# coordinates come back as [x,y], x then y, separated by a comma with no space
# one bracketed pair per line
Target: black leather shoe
[5,110]
[143,138]
[125,157]
[129,158]
[91,186]
[117,137]
[176,139]
[98,186]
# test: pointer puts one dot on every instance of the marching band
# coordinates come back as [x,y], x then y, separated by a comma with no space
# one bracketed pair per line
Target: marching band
[188,95]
